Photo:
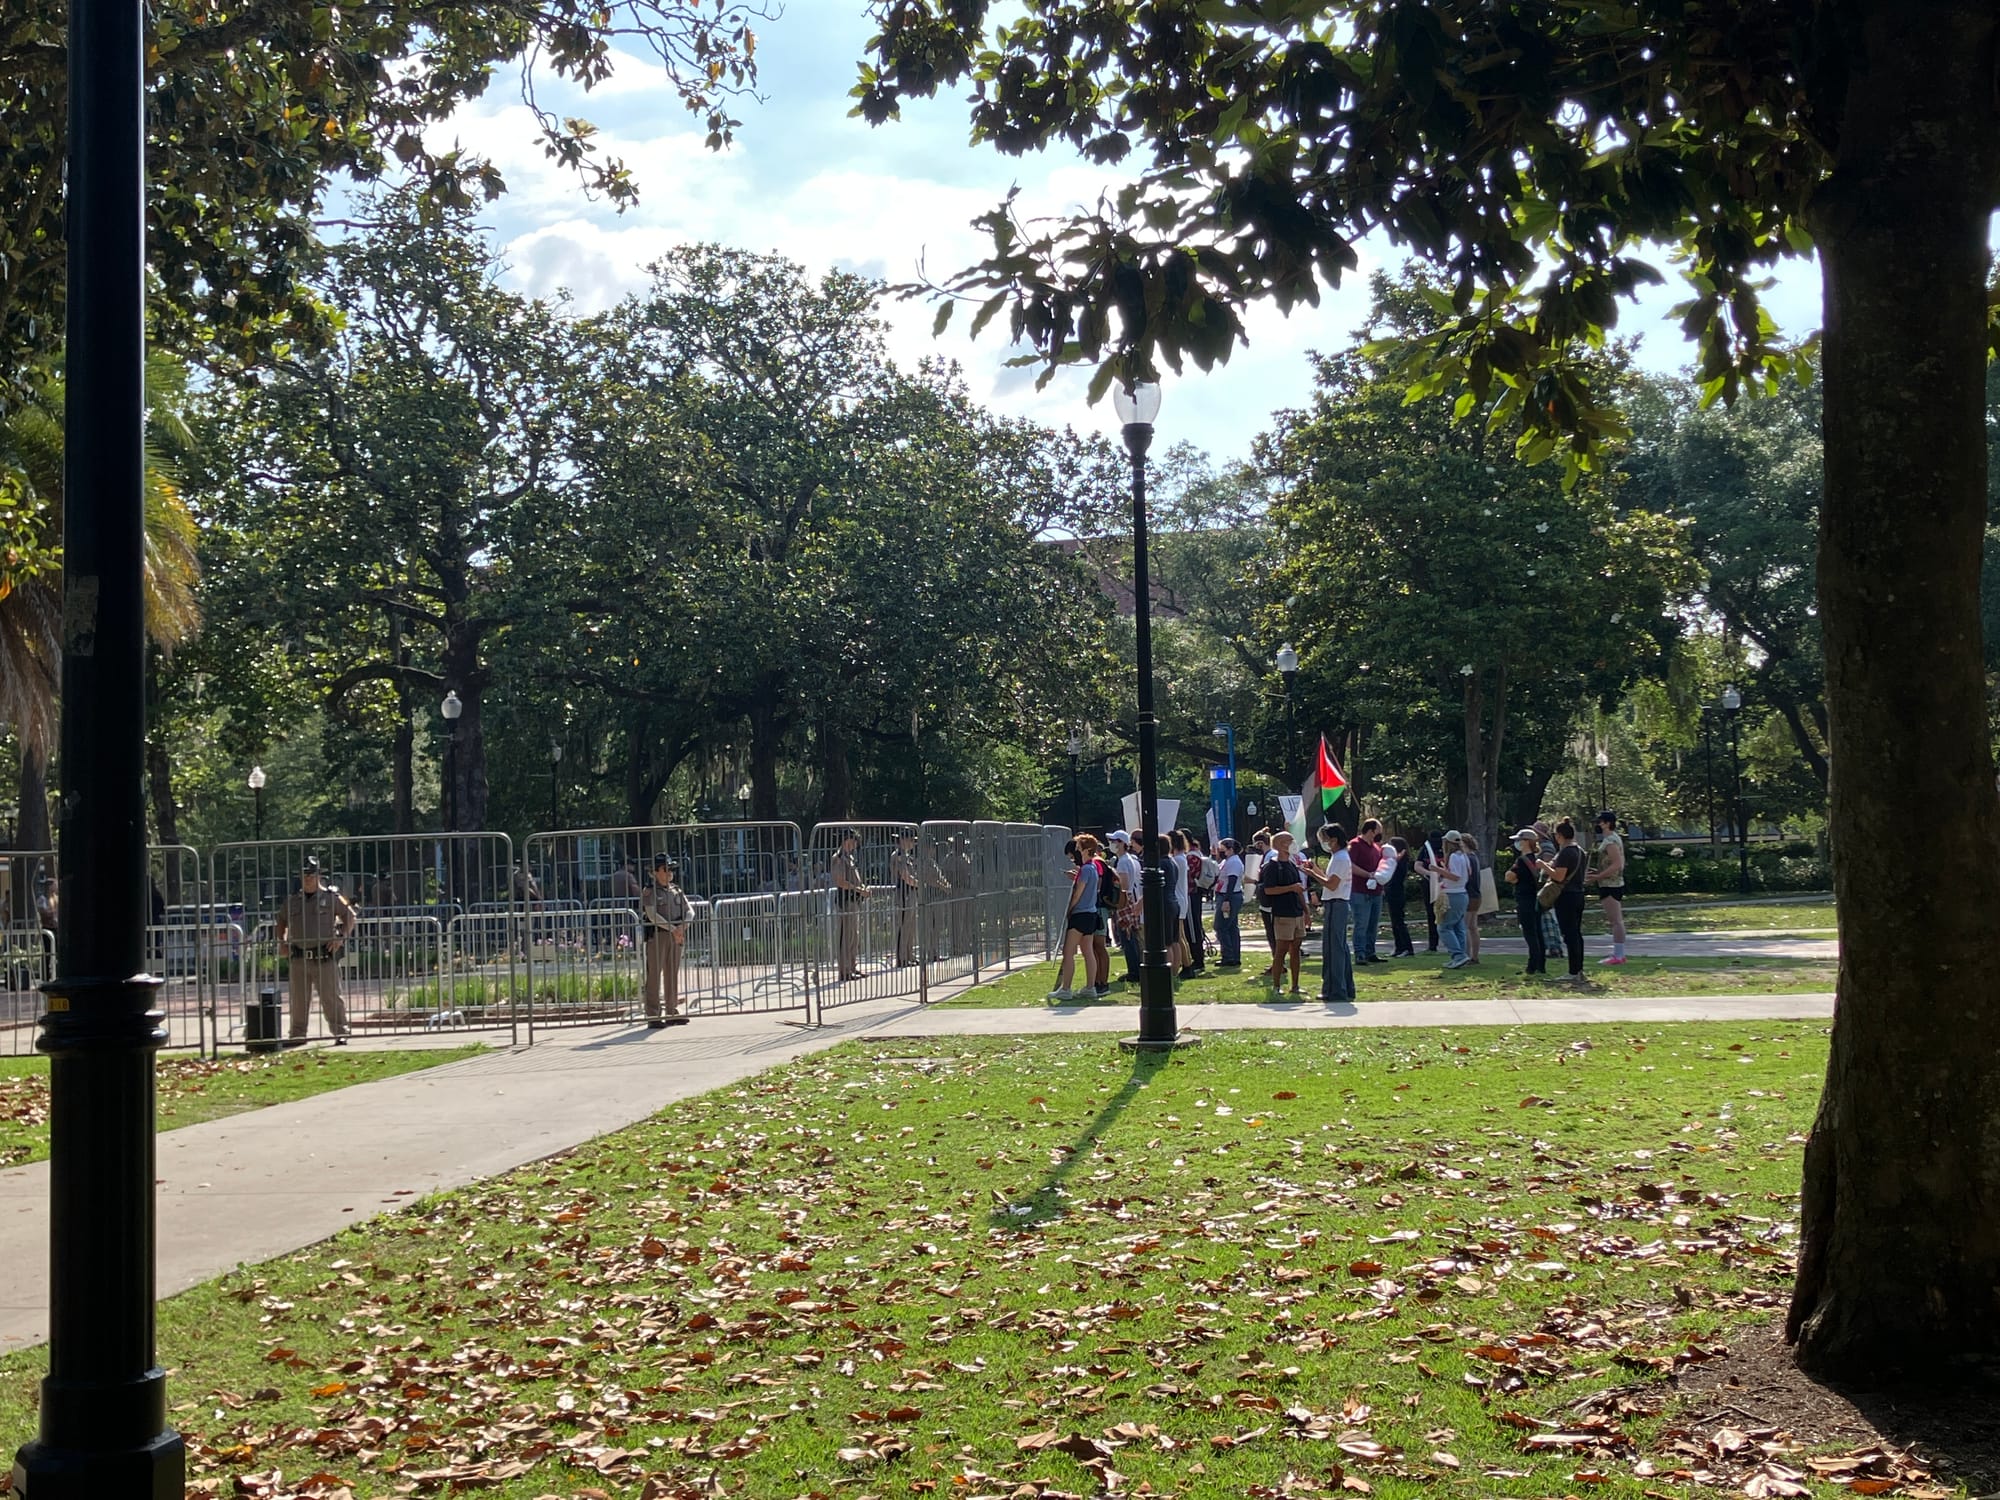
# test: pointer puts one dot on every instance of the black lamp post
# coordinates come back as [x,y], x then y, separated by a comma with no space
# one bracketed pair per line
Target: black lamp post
[1732,705]
[104,1432]
[555,787]
[1603,795]
[743,802]
[257,801]
[1075,791]
[1708,770]
[451,708]
[1159,1028]
[1288,669]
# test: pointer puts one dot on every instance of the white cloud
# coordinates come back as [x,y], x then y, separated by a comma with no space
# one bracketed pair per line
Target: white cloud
[805,181]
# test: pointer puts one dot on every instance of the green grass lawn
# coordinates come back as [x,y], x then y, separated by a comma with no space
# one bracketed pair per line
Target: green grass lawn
[1424,978]
[1663,914]
[193,1089]
[1457,1262]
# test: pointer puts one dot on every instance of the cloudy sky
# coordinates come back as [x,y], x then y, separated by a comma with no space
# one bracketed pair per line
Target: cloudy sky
[807,182]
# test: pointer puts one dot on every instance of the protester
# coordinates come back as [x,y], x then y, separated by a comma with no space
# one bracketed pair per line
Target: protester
[1129,918]
[1253,868]
[1609,878]
[1567,870]
[1199,881]
[1082,921]
[1336,882]
[1229,906]
[1430,865]
[1525,876]
[1174,866]
[1282,885]
[1098,949]
[1475,895]
[1545,850]
[1396,895]
[1365,905]
[1453,873]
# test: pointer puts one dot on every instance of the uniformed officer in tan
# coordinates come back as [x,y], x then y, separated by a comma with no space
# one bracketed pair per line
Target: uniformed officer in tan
[314,924]
[666,911]
[849,890]
[903,876]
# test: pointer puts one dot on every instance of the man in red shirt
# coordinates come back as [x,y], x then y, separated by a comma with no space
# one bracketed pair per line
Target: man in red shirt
[1365,905]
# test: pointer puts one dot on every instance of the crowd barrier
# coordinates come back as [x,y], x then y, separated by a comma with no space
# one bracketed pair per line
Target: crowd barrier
[453,933]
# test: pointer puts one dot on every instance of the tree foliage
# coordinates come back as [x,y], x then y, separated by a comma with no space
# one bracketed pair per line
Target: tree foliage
[255,107]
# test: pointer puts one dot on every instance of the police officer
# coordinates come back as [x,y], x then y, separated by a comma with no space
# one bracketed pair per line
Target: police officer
[903,876]
[666,911]
[849,890]
[313,925]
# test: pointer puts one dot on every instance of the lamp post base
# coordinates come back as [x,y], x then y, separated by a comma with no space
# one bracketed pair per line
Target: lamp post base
[155,1470]
[1165,1044]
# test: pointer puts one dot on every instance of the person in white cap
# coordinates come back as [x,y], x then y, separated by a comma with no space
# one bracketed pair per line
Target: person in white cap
[1128,923]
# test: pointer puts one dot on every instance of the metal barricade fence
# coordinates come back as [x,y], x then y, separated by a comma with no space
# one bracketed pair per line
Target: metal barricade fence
[866,942]
[949,905]
[989,896]
[176,947]
[28,902]
[413,960]
[745,944]
[1027,901]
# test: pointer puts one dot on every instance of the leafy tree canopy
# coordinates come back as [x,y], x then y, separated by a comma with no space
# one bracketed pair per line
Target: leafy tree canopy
[254,106]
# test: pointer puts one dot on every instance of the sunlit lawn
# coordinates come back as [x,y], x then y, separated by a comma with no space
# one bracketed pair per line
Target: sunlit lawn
[193,1089]
[1449,1262]
[1498,974]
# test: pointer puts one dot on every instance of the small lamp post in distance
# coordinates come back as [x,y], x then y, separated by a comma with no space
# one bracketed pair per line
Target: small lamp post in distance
[257,802]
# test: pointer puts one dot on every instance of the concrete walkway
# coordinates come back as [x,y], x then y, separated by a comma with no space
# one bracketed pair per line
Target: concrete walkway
[255,1186]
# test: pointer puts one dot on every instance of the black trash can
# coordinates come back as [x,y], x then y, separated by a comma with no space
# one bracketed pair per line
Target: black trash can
[261,1029]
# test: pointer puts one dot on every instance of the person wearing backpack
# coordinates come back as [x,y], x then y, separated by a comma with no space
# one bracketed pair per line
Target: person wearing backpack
[1110,896]
[1082,922]
[1130,918]
[1283,885]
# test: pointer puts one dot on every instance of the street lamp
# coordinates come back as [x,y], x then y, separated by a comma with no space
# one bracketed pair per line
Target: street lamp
[743,801]
[1708,769]
[1603,796]
[1075,771]
[103,1425]
[1137,404]
[1288,668]
[1732,704]
[451,708]
[555,767]
[1226,732]
[257,799]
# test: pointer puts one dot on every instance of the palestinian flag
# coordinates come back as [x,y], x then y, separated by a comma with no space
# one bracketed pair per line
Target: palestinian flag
[1332,785]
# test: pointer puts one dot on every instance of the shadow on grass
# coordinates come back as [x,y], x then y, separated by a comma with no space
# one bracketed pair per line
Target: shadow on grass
[1043,1201]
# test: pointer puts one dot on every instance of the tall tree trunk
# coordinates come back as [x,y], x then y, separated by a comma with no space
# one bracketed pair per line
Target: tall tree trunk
[31,834]
[638,786]
[34,833]
[166,815]
[1476,799]
[837,796]
[1900,1255]
[764,738]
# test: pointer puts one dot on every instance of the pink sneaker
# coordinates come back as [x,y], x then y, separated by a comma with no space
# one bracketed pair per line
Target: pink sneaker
[1612,962]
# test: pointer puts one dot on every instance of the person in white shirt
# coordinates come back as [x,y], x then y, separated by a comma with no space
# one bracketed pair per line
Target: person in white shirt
[1128,923]
[1177,895]
[1229,906]
[1336,882]
[1453,877]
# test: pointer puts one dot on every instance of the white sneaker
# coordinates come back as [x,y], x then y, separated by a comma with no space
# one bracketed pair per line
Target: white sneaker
[1061,995]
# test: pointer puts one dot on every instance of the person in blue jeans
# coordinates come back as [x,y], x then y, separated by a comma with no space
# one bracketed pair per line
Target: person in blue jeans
[1454,875]
[1365,905]
[1229,904]
[1335,880]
